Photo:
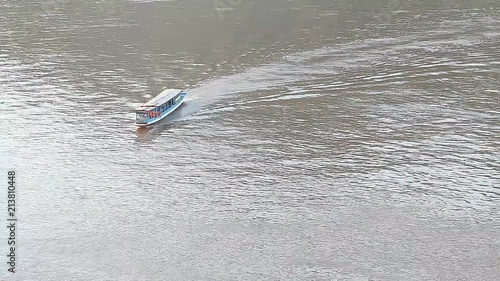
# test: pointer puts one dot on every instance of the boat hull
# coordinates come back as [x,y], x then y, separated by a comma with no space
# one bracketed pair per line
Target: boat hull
[164,114]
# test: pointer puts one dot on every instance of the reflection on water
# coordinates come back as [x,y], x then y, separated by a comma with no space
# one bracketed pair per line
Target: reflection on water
[142,133]
[334,140]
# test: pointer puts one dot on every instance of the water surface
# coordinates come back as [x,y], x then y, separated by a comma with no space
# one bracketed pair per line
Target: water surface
[332,140]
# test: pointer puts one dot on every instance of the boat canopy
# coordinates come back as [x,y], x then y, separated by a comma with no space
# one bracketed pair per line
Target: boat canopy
[162,98]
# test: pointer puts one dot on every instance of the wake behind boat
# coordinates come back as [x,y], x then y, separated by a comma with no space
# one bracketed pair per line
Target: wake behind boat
[159,107]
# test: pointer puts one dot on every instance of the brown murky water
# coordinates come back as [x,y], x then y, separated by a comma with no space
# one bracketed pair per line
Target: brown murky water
[322,140]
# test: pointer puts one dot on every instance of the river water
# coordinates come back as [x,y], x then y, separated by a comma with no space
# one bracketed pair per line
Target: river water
[321,140]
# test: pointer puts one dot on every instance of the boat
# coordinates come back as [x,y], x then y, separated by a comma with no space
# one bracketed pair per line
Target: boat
[159,107]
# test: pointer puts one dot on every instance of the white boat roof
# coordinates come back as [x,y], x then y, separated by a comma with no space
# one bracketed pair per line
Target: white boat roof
[160,99]
[163,97]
